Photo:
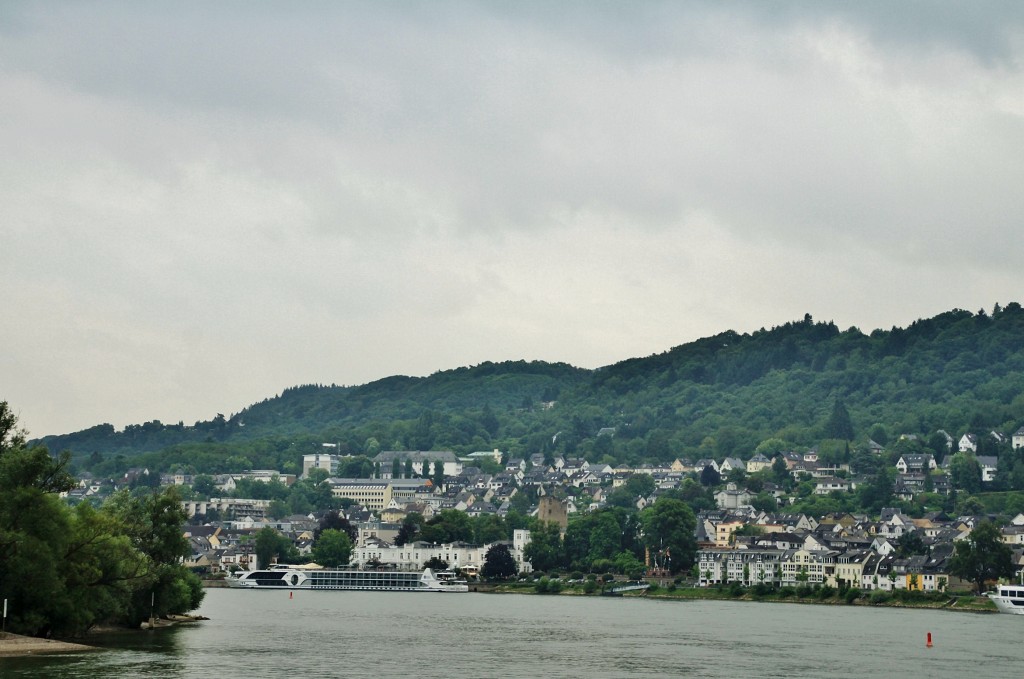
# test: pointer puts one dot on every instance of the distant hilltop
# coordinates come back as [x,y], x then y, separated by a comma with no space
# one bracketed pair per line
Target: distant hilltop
[719,396]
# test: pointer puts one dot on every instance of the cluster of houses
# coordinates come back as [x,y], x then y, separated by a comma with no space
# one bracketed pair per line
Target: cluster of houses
[769,547]
[850,550]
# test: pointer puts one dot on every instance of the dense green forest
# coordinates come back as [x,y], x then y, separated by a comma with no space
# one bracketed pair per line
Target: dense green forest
[719,396]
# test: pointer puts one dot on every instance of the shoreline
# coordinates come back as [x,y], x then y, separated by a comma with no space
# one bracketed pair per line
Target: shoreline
[696,595]
[13,645]
[923,606]
[17,645]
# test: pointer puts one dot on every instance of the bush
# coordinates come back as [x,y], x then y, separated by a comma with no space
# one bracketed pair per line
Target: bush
[851,595]
[590,586]
[803,591]
[672,587]
[786,592]
[541,586]
[824,592]
[909,595]
[735,589]
[880,596]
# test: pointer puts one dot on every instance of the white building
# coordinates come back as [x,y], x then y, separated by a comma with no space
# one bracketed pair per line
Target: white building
[326,461]
[968,442]
[385,460]
[414,555]
[748,566]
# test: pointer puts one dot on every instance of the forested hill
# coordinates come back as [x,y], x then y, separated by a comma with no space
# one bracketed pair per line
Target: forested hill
[722,395]
[330,413]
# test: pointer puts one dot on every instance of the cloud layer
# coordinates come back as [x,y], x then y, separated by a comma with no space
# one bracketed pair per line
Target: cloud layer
[201,205]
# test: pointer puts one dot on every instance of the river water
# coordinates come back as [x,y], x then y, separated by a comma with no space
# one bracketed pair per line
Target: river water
[380,634]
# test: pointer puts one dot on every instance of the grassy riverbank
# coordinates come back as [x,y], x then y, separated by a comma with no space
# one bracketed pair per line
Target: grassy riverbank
[792,595]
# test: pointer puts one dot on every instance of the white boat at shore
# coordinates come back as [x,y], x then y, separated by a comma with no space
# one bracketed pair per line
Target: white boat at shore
[315,577]
[1009,599]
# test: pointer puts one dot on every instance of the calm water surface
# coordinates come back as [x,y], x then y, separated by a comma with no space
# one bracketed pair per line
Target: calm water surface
[378,634]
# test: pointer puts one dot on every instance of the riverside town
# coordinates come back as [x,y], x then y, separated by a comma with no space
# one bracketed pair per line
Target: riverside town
[444,512]
[797,464]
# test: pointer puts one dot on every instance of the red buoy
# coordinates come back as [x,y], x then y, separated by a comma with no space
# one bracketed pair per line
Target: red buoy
[292,594]
[929,640]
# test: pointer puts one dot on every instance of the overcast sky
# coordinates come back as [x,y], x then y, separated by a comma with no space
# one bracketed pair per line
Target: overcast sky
[204,203]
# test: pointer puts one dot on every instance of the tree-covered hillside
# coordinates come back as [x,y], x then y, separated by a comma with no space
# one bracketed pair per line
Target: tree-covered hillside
[719,396]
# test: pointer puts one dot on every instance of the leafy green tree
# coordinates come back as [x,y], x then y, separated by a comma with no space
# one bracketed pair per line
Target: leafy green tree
[278,509]
[605,536]
[317,476]
[910,543]
[765,502]
[449,525]
[771,447]
[544,551]
[270,544]
[621,497]
[335,521]
[640,485]
[489,420]
[153,524]
[435,563]
[488,528]
[498,563]
[627,563]
[780,471]
[710,477]
[102,571]
[204,487]
[877,492]
[839,425]
[669,526]
[33,528]
[982,556]
[411,525]
[736,475]
[438,476]
[332,549]
[938,445]
[965,472]
[879,434]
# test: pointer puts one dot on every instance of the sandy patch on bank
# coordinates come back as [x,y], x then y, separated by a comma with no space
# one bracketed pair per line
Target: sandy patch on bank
[15,644]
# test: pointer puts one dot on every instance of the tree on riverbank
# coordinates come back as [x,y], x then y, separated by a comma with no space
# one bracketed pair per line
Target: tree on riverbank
[668,528]
[498,563]
[332,549]
[982,556]
[64,570]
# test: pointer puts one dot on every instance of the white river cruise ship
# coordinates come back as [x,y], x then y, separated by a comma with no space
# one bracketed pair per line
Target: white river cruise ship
[305,577]
[1009,599]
